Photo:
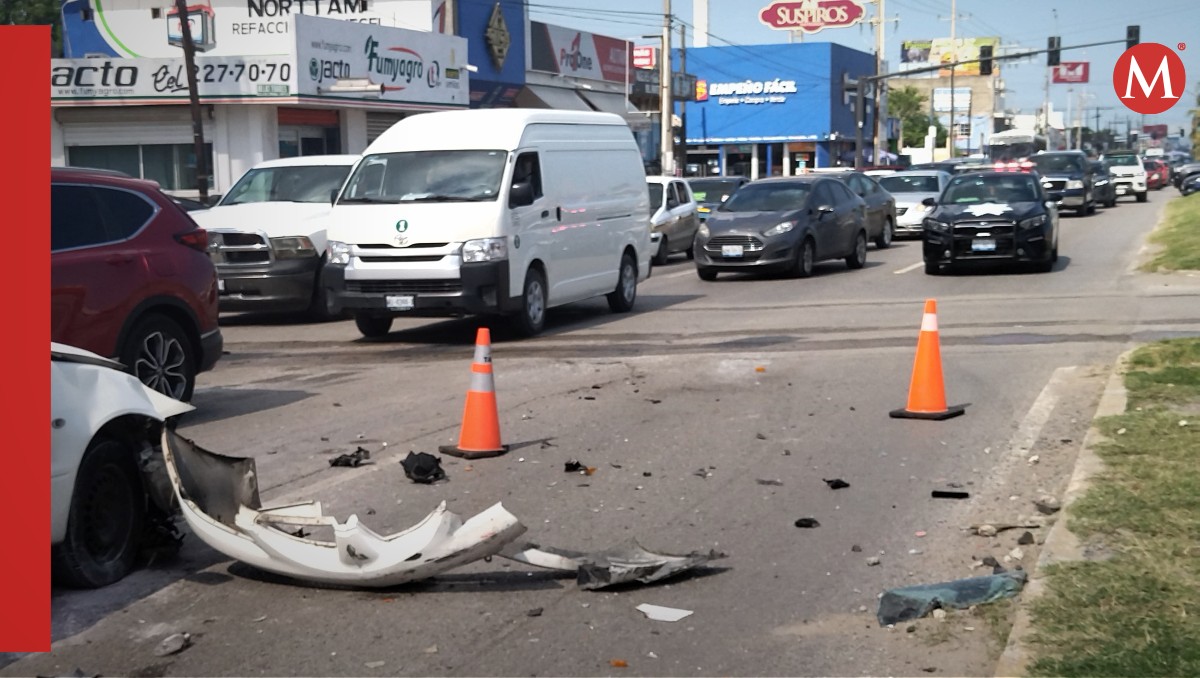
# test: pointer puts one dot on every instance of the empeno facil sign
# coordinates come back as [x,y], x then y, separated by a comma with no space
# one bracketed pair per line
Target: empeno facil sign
[751,91]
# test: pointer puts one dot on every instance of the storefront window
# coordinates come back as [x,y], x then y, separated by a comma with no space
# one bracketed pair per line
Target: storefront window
[173,166]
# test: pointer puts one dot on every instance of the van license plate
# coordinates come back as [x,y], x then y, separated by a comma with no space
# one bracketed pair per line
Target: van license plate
[983,245]
[731,250]
[402,302]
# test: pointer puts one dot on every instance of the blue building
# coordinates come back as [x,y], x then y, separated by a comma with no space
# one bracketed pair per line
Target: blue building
[764,110]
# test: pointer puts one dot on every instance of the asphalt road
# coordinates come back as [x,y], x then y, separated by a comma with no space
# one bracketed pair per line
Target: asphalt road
[669,390]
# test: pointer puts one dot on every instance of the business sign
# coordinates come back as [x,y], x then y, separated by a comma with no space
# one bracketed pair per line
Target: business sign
[135,29]
[701,90]
[752,92]
[566,51]
[645,57]
[941,99]
[148,81]
[415,67]
[811,16]
[926,53]
[645,83]
[1070,72]
[1149,78]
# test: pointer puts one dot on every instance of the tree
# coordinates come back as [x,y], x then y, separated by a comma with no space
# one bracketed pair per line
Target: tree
[1196,129]
[34,13]
[909,106]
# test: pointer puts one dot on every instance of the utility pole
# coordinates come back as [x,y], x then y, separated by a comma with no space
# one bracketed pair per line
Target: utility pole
[880,118]
[665,102]
[681,163]
[951,140]
[189,63]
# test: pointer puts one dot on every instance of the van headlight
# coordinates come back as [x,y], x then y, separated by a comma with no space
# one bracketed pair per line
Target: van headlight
[485,249]
[1074,184]
[1032,222]
[339,253]
[779,229]
[293,248]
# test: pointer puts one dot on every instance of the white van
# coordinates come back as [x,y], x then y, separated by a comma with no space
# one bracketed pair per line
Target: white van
[267,235]
[506,211]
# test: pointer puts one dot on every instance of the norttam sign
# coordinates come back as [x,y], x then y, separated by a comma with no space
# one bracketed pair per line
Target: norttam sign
[812,16]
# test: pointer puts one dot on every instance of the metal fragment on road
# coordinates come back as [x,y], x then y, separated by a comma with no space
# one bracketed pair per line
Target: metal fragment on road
[355,459]
[623,564]
[663,614]
[173,644]
[913,602]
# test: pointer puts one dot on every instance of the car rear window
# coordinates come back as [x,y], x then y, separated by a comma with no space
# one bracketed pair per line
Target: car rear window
[128,212]
[74,218]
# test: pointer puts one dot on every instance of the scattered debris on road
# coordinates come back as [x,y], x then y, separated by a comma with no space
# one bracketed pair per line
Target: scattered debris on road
[374,665]
[353,460]
[770,481]
[432,649]
[1017,554]
[173,644]
[950,494]
[807,523]
[1025,539]
[836,484]
[1047,504]
[913,602]
[987,530]
[575,466]
[873,561]
[535,612]
[856,548]
[424,468]
[623,564]
[618,663]
[663,614]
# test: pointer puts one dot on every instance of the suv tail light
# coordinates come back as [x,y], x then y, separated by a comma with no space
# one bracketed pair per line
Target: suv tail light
[197,240]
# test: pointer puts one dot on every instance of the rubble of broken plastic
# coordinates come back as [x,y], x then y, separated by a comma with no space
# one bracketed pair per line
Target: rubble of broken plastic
[914,602]
[219,499]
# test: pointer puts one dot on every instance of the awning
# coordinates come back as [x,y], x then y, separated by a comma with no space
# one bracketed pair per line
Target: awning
[561,98]
[609,102]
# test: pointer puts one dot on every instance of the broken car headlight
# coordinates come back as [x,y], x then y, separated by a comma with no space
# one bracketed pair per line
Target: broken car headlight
[486,249]
[293,248]
[339,253]
[1032,222]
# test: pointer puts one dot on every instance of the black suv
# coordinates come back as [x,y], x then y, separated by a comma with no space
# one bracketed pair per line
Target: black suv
[1104,190]
[1069,173]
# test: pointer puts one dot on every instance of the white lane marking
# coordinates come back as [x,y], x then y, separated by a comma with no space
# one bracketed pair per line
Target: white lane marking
[677,274]
[1030,429]
[906,269]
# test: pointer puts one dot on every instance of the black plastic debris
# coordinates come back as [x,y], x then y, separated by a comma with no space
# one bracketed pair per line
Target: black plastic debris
[807,522]
[424,468]
[760,436]
[914,602]
[654,401]
[352,460]
[1025,539]
[574,466]
[990,561]
[856,548]
[836,484]
[300,533]
[535,612]
[949,494]
[770,481]
[646,474]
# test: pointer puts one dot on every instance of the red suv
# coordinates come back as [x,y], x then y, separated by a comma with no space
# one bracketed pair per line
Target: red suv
[130,278]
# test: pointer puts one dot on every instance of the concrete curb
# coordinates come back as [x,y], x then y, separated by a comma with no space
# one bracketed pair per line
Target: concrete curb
[1061,545]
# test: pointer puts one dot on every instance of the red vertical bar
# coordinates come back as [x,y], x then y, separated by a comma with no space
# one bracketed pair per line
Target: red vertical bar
[25,384]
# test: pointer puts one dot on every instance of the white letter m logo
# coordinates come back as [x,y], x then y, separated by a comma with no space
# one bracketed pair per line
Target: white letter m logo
[1163,72]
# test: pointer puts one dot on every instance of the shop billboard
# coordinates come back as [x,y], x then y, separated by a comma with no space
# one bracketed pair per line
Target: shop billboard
[152,81]
[414,67]
[1070,72]
[926,53]
[566,51]
[941,99]
[136,29]
[811,16]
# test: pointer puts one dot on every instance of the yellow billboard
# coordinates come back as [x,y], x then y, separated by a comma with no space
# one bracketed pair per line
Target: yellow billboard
[923,53]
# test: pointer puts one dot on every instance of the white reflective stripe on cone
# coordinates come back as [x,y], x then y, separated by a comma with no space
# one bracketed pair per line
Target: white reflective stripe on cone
[482,382]
[929,322]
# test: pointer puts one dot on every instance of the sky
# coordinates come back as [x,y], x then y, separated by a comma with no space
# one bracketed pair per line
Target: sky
[1021,24]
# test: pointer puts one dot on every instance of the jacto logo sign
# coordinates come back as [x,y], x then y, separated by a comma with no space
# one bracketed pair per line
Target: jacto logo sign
[1149,78]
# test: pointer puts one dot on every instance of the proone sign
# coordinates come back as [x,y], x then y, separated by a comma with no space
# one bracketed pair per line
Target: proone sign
[811,16]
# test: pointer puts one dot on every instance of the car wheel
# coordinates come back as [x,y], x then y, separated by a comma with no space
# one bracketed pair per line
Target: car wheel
[372,326]
[706,273]
[1142,197]
[858,258]
[106,519]
[663,254]
[319,309]
[621,299]
[931,268]
[691,252]
[886,236]
[531,319]
[161,356]
[806,258]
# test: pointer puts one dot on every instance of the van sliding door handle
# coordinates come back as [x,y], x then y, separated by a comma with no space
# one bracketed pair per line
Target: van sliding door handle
[559,210]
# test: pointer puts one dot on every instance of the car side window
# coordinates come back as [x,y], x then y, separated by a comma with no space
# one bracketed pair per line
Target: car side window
[673,194]
[840,193]
[822,197]
[685,196]
[125,212]
[858,185]
[528,169]
[75,219]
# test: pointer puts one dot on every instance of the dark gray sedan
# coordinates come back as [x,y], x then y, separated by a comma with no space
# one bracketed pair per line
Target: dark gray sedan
[785,223]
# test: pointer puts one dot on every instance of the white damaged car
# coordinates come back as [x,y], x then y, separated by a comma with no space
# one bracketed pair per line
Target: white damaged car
[107,479]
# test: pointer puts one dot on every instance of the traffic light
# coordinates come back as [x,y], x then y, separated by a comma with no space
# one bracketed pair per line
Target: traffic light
[1133,35]
[1053,55]
[985,59]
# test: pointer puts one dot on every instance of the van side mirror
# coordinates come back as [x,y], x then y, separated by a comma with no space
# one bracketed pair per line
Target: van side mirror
[333,196]
[929,202]
[521,194]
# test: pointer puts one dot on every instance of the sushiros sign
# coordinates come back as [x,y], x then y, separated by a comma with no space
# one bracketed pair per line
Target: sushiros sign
[1149,78]
[811,16]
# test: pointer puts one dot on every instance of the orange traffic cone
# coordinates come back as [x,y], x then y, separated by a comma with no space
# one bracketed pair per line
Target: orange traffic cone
[480,435]
[927,392]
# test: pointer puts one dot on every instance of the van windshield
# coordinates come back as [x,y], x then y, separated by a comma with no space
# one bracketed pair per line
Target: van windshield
[427,176]
[299,183]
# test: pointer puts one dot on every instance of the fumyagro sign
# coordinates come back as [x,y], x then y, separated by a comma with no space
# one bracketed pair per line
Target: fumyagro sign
[811,16]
